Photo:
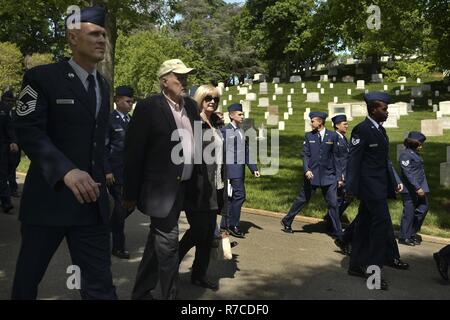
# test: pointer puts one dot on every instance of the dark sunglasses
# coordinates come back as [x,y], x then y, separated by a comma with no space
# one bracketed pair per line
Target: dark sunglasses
[209,98]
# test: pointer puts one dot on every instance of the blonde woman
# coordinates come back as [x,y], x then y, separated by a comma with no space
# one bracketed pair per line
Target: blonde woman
[204,198]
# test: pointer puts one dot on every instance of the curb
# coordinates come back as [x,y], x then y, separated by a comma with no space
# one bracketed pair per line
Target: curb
[311,220]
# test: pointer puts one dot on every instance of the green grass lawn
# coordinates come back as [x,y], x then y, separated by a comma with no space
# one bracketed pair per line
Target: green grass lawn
[277,192]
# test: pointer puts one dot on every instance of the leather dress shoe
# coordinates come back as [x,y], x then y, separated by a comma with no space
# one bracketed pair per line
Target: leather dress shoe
[233,244]
[7,209]
[345,247]
[236,232]
[407,242]
[286,228]
[417,239]
[399,264]
[442,265]
[122,254]
[362,273]
[203,282]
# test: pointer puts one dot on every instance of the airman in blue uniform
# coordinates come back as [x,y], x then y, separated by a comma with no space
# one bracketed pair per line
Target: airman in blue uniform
[415,202]
[321,170]
[61,121]
[115,142]
[372,179]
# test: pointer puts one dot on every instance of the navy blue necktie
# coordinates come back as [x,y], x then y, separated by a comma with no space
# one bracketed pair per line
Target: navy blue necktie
[92,95]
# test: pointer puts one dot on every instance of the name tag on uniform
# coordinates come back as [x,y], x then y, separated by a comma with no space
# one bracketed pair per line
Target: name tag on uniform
[65,101]
[373,145]
[119,129]
[329,142]
[310,141]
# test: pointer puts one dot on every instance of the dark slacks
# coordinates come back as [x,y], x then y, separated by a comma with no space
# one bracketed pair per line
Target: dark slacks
[118,216]
[342,202]
[415,209]
[5,192]
[373,241]
[445,253]
[89,248]
[200,234]
[235,204]
[330,195]
[13,162]
[160,262]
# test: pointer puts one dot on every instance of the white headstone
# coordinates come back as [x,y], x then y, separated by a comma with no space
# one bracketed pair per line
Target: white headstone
[334,79]
[281,126]
[445,174]
[391,121]
[307,125]
[305,91]
[385,87]
[444,107]
[394,111]
[401,80]
[250,87]
[319,86]
[263,89]
[225,102]
[402,87]
[303,85]
[322,91]
[274,98]
[226,118]
[377,77]
[445,121]
[359,109]
[431,128]
[221,85]
[246,114]
[360,85]
[331,85]
[348,79]
[419,80]
[312,97]
[335,99]
[401,107]
[349,92]
[292,90]
[273,119]
[276,85]
[258,77]
[266,115]
[263,102]
[324,77]
[227,89]
[397,92]
[430,103]
[243,91]
[289,97]
[279,91]
[342,108]
[290,111]
[246,106]
[416,92]
[276,80]
[286,116]
[250,96]
[289,104]
[295,79]
[230,97]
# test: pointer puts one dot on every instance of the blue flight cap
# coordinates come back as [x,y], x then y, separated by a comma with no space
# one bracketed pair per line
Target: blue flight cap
[339,118]
[235,107]
[124,91]
[380,96]
[95,15]
[318,114]
[419,136]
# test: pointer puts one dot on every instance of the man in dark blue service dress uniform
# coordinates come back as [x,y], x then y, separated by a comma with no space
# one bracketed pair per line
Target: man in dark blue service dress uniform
[236,155]
[115,141]
[321,170]
[61,121]
[372,179]
[415,202]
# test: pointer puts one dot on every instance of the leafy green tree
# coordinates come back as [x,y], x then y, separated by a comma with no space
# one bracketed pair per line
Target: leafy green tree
[37,59]
[10,65]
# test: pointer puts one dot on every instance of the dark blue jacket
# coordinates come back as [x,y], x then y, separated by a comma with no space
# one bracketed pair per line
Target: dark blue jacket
[236,153]
[370,174]
[342,154]
[59,132]
[412,172]
[114,144]
[321,157]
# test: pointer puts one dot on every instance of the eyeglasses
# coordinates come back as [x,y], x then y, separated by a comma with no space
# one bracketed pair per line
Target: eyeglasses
[209,98]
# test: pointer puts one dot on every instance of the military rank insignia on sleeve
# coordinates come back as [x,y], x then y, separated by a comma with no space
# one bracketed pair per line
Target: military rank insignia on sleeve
[355,141]
[27,101]
[405,163]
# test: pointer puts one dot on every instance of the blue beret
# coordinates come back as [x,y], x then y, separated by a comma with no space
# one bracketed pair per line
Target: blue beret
[8,95]
[235,107]
[95,15]
[417,136]
[339,118]
[124,91]
[318,114]
[380,96]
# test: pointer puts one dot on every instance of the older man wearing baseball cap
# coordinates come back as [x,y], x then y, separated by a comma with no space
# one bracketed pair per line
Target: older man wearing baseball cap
[155,179]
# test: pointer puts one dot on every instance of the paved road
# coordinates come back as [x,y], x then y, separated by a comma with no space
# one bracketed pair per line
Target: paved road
[268,264]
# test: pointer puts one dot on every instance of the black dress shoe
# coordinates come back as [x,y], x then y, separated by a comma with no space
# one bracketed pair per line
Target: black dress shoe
[345,247]
[203,282]
[236,232]
[122,254]
[357,272]
[442,265]
[399,264]
[417,239]
[286,228]
[407,242]
[7,209]
[233,244]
